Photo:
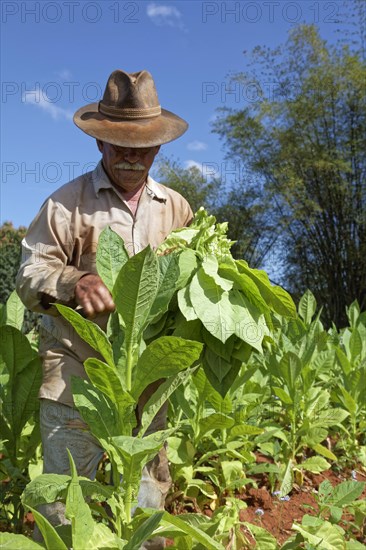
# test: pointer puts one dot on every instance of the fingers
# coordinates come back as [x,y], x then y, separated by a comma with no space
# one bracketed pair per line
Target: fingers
[93,296]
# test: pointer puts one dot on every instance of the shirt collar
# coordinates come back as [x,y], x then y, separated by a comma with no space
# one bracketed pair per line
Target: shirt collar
[156,190]
[101,180]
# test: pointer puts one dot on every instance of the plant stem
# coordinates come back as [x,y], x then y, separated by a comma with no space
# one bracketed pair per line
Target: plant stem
[128,502]
[129,366]
[115,474]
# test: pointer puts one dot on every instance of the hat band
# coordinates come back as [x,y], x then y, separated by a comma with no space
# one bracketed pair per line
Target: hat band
[129,114]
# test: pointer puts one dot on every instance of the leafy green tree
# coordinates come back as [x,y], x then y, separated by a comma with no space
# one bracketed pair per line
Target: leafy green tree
[10,250]
[189,182]
[249,226]
[241,206]
[306,141]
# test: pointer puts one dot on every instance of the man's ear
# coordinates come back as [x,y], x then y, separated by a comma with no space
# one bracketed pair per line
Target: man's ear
[100,145]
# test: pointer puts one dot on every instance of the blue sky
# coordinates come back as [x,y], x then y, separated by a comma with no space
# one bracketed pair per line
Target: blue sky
[57,56]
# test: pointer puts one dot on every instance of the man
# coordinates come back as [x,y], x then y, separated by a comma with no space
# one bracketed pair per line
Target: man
[59,253]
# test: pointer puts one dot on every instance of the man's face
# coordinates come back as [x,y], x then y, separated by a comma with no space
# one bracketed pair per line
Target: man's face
[127,167]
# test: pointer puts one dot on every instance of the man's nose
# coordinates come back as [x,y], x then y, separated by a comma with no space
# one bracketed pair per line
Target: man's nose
[131,155]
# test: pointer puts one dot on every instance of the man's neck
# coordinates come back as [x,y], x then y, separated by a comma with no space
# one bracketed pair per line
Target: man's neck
[133,195]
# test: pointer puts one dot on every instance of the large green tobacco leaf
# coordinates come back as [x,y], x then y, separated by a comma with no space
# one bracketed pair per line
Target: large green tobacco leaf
[88,331]
[188,264]
[290,369]
[180,451]
[307,307]
[20,382]
[226,313]
[47,488]
[14,311]
[143,532]
[105,378]
[247,429]
[353,313]
[314,464]
[104,539]
[185,304]
[345,493]
[215,421]
[116,336]
[195,532]
[246,285]
[25,394]
[322,535]
[287,480]
[111,256]
[153,330]
[96,409]
[275,296]
[190,330]
[134,293]
[15,350]
[347,400]
[163,358]
[356,344]
[343,361]
[324,451]
[283,395]
[52,540]
[134,452]
[263,539]
[205,389]
[210,266]
[9,541]
[169,272]
[159,397]
[219,380]
[218,365]
[179,238]
[78,512]
[250,326]
[212,306]
[192,525]
[217,347]
[328,417]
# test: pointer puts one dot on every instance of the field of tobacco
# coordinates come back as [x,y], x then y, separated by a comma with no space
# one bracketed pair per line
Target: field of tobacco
[266,425]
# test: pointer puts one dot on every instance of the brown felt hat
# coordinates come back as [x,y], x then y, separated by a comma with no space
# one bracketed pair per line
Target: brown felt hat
[129,115]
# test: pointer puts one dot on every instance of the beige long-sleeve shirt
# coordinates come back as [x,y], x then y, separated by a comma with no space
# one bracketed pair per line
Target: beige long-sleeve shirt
[60,247]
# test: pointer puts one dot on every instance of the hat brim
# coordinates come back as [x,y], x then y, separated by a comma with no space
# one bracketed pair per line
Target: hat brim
[146,132]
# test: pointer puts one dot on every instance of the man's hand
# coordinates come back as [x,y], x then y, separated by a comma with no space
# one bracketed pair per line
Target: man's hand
[93,296]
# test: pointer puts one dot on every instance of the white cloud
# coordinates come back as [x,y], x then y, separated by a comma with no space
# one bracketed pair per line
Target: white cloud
[65,74]
[37,98]
[208,169]
[197,146]
[165,15]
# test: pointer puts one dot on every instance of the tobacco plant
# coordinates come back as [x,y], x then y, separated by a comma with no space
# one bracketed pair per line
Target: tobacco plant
[243,373]
[187,304]
[20,379]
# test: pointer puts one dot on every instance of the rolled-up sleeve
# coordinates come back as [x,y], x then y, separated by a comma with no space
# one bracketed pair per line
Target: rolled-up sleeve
[47,254]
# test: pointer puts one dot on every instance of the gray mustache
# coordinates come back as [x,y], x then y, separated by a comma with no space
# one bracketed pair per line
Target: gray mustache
[128,166]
